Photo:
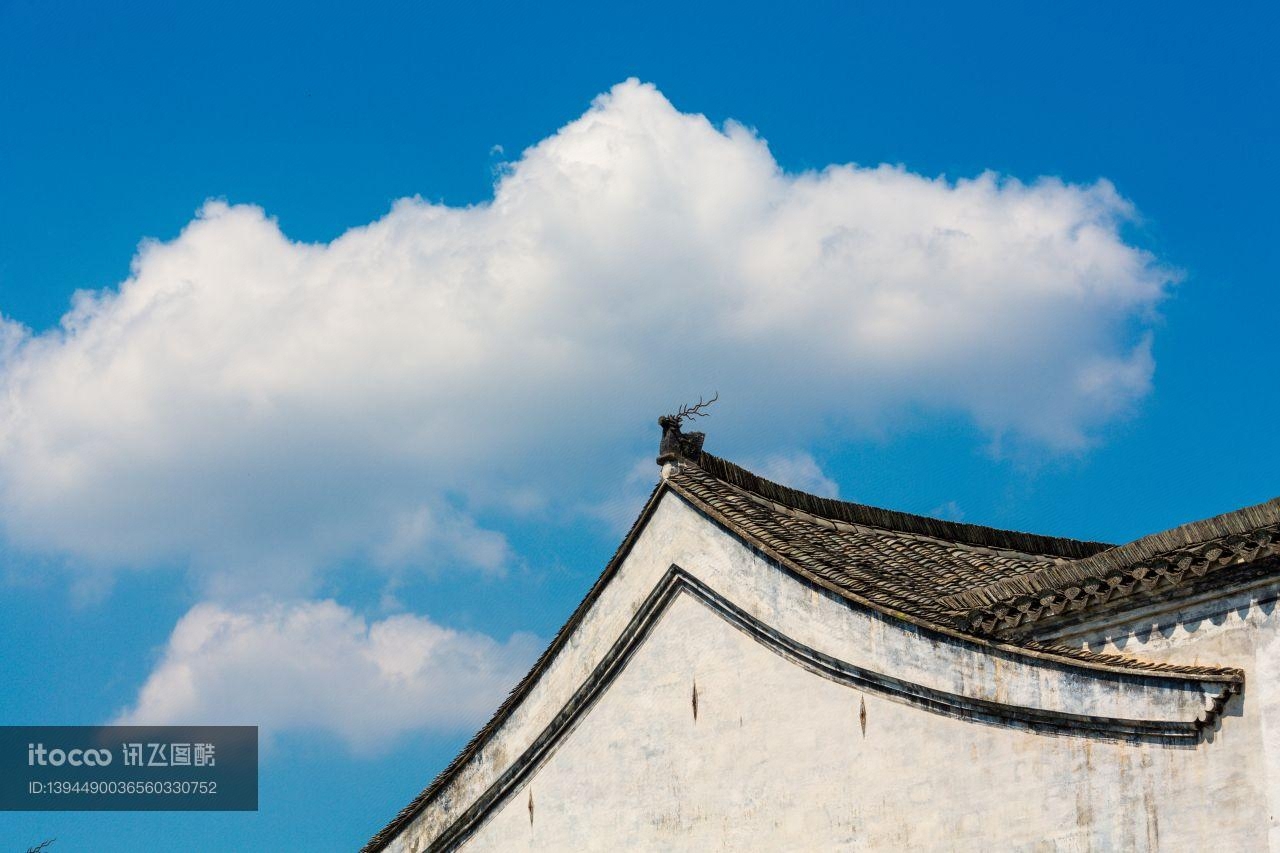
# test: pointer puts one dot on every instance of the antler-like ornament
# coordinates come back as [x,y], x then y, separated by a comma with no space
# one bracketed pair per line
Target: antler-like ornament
[677,445]
[698,410]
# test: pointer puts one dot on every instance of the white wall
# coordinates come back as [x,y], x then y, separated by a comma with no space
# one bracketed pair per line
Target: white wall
[777,760]
[1240,630]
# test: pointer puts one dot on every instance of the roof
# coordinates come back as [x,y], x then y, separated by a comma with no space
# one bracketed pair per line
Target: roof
[907,566]
[1208,554]
[961,580]
[979,580]
[907,561]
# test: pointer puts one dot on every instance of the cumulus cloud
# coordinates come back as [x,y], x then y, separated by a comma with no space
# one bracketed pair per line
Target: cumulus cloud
[245,399]
[317,666]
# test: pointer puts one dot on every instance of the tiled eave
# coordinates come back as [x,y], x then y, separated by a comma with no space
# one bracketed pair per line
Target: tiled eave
[1020,606]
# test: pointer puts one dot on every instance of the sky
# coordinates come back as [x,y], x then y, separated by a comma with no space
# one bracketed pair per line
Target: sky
[334,338]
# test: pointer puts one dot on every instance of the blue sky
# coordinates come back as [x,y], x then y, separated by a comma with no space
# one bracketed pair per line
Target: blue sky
[422,441]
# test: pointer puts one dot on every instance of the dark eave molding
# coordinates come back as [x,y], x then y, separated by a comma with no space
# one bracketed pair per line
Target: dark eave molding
[677,581]
[419,803]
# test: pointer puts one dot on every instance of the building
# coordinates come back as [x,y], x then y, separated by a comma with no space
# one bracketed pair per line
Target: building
[762,669]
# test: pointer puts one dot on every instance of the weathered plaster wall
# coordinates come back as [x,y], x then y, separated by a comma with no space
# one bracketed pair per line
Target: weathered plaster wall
[779,762]
[1240,630]
[776,759]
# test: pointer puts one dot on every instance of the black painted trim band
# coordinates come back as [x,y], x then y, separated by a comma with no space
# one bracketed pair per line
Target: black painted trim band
[678,581]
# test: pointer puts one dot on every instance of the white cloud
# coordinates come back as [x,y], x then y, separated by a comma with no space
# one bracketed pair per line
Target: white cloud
[949,511]
[799,470]
[317,666]
[243,400]
[422,534]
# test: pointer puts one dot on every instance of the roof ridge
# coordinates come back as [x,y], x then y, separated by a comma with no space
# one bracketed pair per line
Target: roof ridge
[841,525]
[1234,523]
[899,603]
[903,522]
[1159,560]
[883,591]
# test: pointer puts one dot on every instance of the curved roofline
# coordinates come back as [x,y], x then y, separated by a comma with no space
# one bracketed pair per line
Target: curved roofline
[1235,523]
[1065,656]
[1244,535]
[901,522]
[677,582]
[406,815]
